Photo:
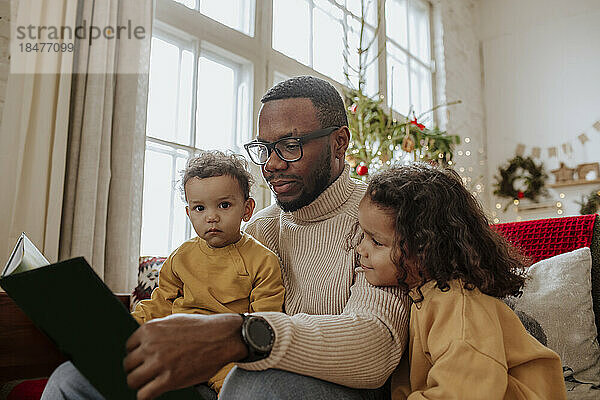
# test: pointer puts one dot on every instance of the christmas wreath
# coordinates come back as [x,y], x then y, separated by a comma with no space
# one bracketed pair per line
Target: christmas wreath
[591,204]
[525,169]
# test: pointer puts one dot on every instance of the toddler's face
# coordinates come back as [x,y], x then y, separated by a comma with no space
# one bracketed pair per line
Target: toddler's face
[216,208]
[375,248]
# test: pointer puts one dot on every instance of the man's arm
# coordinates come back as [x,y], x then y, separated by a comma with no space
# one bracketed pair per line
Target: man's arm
[359,348]
[181,350]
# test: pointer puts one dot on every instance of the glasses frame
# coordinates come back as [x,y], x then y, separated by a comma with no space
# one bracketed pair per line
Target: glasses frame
[300,139]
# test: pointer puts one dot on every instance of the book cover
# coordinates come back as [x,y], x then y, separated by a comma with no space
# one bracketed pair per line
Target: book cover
[71,304]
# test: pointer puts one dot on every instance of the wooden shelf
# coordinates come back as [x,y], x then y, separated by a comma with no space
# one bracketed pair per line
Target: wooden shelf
[535,207]
[575,183]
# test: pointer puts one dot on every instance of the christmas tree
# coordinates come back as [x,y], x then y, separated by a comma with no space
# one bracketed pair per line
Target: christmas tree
[380,138]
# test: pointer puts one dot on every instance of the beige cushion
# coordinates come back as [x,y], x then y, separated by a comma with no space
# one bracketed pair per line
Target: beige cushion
[558,296]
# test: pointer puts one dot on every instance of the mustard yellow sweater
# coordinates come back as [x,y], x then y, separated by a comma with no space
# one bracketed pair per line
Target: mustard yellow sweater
[466,345]
[198,279]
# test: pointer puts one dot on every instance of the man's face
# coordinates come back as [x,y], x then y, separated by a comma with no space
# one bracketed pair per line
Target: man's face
[295,184]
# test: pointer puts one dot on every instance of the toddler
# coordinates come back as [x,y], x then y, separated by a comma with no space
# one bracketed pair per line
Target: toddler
[221,270]
[422,230]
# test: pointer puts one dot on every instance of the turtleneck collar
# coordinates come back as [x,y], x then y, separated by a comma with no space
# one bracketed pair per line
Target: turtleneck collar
[330,201]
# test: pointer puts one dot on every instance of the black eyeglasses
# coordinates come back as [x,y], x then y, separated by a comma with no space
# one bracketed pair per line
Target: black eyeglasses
[288,148]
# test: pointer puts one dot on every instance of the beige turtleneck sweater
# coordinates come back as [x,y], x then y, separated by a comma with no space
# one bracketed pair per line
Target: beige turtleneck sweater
[337,326]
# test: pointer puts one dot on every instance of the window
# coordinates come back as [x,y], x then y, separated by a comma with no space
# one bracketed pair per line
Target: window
[236,14]
[181,121]
[323,34]
[211,63]
[408,56]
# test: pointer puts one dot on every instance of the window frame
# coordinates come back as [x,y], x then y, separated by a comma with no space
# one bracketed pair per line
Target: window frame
[179,21]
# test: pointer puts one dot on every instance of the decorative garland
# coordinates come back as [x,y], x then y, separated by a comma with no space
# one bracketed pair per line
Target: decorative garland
[591,204]
[525,168]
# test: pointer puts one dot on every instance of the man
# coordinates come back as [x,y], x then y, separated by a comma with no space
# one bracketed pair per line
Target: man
[340,336]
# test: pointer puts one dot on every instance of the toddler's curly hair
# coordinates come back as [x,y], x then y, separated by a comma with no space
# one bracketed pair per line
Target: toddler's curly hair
[210,163]
[441,228]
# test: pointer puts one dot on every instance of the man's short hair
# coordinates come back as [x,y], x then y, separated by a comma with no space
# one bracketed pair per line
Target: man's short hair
[212,163]
[326,100]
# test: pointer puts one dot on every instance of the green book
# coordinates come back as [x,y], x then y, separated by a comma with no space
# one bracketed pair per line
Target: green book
[72,305]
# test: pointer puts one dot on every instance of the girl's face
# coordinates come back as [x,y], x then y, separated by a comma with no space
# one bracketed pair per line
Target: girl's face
[375,248]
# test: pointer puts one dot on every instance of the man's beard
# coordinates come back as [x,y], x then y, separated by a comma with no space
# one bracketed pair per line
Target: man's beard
[315,185]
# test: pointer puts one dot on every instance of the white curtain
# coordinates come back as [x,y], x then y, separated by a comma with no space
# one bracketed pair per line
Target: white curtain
[33,135]
[105,162]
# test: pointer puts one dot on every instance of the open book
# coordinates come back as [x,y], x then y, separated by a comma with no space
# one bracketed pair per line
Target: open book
[24,257]
[72,305]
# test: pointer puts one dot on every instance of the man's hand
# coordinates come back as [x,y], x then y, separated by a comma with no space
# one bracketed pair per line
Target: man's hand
[181,350]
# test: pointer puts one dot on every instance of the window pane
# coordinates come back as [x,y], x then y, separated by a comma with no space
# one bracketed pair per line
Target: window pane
[156,207]
[162,92]
[180,219]
[237,14]
[397,79]
[420,81]
[371,87]
[291,29]
[216,110]
[395,21]
[419,30]
[188,3]
[354,6]
[185,97]
[329,44]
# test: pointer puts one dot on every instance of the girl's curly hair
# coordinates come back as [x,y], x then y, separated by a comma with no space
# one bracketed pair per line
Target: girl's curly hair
[443,231]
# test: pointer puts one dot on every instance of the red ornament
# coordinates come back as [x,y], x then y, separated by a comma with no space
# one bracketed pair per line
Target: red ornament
[353,108]
[520,194]
[362,170]
[417,124]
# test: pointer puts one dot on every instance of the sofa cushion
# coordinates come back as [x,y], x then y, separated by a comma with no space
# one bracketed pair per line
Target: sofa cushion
[544,238]
[30,389]
[148,271]
[557,295]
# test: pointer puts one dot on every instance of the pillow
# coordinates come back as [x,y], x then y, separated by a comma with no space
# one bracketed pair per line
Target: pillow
[148,271]
[29,389]
[557,295]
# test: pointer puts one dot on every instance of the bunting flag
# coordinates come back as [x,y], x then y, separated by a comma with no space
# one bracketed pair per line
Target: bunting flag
[567,147]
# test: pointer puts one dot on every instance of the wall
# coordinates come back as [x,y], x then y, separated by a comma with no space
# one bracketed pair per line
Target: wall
[458,77]
[541,62]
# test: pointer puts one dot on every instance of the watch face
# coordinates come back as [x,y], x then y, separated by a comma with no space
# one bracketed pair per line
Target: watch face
[260,335]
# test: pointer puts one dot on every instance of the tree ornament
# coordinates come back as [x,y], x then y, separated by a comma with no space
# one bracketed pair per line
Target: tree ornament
[408,145]
[521,168]
[351,160]
[353,108]
[362,170]
[417,124]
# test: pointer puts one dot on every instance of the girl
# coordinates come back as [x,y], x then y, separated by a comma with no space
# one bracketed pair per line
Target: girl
[422,230]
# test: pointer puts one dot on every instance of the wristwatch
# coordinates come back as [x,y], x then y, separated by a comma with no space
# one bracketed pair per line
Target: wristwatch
[258,336]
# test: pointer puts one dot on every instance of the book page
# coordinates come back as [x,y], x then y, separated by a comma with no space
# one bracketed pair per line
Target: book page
[25,257]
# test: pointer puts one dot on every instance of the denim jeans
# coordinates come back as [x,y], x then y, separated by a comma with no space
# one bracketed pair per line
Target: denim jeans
[66,383]
[274,384]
